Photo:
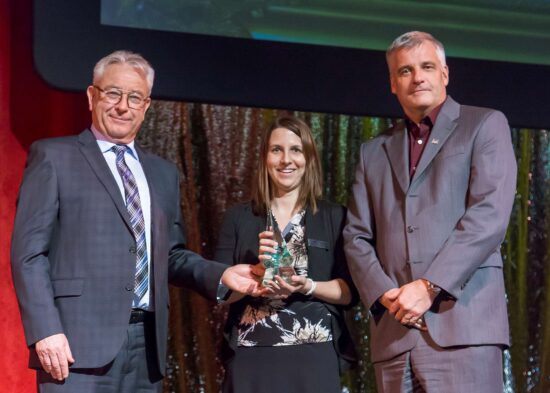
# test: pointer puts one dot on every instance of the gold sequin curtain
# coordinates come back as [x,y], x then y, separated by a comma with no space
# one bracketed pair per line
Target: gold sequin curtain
[216,150]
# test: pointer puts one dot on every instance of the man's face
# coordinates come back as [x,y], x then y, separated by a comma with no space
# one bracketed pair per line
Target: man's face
[418,79]
[118,123]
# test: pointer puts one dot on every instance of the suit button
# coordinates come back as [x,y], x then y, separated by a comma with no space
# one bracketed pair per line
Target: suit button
[132,250]
[129,287]
[410,229]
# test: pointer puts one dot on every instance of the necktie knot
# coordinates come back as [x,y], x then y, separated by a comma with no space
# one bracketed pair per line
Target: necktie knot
[119,149]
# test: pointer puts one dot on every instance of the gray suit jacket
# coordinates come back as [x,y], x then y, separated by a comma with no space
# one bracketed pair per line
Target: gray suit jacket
[73,252]
[446,225]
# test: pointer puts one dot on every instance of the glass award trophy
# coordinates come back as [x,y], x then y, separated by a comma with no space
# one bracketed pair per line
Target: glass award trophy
[281,261]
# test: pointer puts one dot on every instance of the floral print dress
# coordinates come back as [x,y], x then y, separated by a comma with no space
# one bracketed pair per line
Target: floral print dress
[293,321]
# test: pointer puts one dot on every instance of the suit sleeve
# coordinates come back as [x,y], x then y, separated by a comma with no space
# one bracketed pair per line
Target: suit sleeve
[359,241]
[33,231]
[482,228]
[186,268]
[341,269]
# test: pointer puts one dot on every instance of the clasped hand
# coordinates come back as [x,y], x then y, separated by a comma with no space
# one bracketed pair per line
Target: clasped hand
[409,303]
[280,289]
[268,247]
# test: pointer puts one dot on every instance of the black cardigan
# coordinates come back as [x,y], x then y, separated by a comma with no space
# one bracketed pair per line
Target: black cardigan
[238,243]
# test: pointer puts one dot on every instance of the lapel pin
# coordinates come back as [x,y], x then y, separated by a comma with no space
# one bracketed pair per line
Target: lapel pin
[435,141]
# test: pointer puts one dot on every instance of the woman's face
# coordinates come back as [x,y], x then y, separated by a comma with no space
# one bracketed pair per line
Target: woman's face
[285,160]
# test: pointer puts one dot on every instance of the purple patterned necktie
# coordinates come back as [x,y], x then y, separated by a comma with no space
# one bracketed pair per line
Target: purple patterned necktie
[133,205]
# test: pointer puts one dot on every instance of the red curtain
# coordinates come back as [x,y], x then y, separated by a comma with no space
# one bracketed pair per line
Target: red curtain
[29,110]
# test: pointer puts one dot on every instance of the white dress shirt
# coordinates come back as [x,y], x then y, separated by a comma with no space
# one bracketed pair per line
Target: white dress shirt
[132,160]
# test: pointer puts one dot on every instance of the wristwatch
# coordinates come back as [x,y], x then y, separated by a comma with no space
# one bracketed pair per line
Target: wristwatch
[434,289]
[223,293]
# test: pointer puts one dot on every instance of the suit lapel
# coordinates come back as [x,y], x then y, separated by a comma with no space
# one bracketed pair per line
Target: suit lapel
[397,150]
[157,214]
[149,169]
[443,127]
[314,230]
[314,225]
[92,153]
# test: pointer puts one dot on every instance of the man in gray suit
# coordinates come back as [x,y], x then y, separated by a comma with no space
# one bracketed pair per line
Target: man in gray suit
[430,205]
[97,237]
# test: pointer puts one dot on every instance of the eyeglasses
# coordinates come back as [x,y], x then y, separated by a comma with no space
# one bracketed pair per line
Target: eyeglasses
[114,96]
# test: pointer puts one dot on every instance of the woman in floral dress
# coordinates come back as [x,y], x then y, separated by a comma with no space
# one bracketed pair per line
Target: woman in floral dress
[294,339]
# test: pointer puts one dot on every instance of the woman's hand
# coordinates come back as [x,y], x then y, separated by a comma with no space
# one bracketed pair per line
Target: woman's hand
[267,247]
[280,289]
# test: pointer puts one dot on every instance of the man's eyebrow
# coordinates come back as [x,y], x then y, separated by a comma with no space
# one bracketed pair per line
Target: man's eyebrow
[114,87]
[405,67]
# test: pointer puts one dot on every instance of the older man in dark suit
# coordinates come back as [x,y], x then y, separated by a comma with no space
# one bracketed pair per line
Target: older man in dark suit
[430,206]
[97,237]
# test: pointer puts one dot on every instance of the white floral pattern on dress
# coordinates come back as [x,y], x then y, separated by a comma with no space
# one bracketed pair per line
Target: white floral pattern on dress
[266,322]
[308,334]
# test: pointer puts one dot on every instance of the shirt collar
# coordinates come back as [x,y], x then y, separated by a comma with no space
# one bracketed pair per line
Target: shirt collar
[429,120]
[106,146]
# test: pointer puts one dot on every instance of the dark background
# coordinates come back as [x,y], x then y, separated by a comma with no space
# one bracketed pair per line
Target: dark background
[68,40]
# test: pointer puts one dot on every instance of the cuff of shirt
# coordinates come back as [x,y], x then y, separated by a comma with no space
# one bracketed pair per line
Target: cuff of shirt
[223,293]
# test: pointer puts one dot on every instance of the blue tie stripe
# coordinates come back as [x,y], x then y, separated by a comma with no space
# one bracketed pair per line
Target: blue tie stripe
[133,205]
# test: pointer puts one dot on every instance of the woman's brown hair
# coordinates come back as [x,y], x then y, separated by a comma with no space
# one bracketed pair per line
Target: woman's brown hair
[311,187]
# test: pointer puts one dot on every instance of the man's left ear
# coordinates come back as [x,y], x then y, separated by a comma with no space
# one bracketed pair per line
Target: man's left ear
[147,105]
[90,94]
[446,74]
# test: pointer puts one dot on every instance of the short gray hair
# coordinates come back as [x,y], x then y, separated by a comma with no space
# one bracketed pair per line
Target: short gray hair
[413,39]
[135,60]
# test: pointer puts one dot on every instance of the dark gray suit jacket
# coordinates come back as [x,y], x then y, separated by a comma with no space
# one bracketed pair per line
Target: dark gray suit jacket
[73,252]
[446,224]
